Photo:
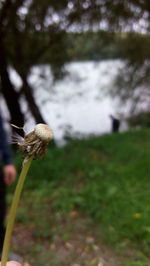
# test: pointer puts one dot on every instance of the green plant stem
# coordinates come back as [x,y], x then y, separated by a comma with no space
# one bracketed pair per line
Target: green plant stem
[13,210]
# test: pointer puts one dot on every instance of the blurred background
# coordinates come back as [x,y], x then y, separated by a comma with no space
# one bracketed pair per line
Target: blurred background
[78,66]
[70,63]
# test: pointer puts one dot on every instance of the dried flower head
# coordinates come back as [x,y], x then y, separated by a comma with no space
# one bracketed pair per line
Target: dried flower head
[36,142]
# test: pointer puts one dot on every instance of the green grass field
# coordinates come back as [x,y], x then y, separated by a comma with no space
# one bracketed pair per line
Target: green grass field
[101,184]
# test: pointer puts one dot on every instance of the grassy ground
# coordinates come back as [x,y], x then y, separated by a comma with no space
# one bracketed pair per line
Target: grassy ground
[88,204]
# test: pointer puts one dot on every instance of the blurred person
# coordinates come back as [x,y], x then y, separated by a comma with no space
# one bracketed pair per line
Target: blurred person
[115,123]
[7,177]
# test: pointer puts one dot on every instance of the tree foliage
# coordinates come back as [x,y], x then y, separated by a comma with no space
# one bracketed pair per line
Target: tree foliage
[36,31]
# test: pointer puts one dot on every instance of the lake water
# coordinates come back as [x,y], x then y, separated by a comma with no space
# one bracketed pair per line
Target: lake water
[80,102]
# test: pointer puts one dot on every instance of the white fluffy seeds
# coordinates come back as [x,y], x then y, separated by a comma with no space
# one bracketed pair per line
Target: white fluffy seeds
[43,132]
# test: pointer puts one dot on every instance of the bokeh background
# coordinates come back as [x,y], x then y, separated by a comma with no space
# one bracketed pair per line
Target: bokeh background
[72,64]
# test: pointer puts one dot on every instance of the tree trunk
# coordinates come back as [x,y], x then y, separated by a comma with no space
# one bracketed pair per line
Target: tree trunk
[27,91]
[9,93]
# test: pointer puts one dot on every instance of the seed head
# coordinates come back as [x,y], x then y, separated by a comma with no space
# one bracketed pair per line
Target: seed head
[36,142]
[43,132]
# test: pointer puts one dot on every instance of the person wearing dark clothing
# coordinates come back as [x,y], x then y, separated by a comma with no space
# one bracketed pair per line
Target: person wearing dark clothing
[7,176]
[115,123]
